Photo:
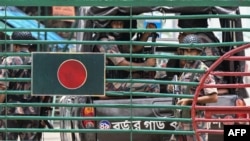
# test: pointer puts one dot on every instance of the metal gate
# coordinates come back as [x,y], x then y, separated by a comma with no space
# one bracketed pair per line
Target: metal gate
[127,114]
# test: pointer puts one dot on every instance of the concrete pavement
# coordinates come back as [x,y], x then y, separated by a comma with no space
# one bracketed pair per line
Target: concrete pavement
[50,136]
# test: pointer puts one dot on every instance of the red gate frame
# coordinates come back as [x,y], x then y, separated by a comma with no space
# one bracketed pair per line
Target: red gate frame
[220,109]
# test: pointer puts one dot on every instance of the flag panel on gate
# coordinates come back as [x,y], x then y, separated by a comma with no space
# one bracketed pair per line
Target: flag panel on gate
[68,74]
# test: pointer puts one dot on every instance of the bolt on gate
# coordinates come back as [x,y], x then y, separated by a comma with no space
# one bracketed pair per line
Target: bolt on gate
[126,83]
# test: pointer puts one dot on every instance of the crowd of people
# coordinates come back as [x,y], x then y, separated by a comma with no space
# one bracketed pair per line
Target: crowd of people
[207,95]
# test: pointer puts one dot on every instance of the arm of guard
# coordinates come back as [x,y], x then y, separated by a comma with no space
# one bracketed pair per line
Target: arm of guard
[2,96]
[211,98]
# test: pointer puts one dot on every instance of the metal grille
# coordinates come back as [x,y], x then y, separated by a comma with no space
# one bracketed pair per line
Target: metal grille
[124,115]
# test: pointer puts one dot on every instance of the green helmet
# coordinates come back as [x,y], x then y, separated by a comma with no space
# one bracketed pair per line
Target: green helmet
[191,38]
[22,35]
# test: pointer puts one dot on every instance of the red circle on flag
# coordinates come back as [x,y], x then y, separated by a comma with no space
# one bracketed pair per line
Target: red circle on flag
[72,74]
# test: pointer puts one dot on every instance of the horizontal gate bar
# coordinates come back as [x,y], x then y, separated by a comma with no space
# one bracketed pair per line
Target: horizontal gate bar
[125,3]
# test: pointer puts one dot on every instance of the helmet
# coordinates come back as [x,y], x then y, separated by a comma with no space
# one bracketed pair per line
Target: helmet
[22,35]
[191,38]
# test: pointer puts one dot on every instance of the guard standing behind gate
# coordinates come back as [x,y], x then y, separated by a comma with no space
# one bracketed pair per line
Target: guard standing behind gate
[18,98]
[205,37]
[207,95]
[121,61]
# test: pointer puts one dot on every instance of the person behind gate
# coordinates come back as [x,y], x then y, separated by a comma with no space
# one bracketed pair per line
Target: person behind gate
[205,37]
[18,98]
[122,61]
[207,95]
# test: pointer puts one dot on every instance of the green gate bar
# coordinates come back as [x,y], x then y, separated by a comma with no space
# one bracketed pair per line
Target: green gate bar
[133,3]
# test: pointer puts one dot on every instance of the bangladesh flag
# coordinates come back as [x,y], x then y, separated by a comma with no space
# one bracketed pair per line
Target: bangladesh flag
[68,74]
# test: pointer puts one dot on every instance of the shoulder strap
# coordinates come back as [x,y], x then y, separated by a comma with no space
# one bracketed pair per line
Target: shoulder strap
[189,86]
[191,78]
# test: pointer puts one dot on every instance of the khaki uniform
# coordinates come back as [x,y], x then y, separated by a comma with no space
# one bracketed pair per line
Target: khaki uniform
[185,89]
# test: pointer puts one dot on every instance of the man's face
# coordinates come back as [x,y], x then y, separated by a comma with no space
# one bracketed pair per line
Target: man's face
[188,52]
[117,24]
[16,48]
[191,52]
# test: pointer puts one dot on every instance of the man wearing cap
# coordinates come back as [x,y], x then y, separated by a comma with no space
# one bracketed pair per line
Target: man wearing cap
[207,95]
[19,98]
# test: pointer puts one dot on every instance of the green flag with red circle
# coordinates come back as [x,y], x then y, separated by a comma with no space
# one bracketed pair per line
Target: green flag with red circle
[68,74]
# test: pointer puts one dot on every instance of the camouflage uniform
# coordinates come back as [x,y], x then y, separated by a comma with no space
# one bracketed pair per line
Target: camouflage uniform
[209,37]
[142,87]
[186,77]
[19,111]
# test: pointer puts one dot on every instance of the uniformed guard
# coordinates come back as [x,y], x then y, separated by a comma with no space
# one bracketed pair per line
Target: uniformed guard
[205,37]
[19,98]
[122,61]
[207,95]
